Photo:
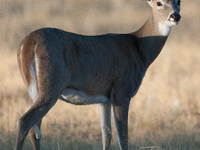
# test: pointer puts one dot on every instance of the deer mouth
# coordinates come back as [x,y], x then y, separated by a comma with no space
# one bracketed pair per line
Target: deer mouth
[174,23]
[174,18]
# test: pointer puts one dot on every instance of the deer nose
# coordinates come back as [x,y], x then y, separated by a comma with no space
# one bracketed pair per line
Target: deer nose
[175,16]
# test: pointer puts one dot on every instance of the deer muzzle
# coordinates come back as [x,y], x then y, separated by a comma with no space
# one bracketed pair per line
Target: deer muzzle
[175,17]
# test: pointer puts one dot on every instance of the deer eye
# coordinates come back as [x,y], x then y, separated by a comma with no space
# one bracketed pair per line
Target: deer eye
[159,4]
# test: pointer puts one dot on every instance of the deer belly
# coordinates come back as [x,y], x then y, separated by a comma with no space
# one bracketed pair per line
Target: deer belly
[81,98]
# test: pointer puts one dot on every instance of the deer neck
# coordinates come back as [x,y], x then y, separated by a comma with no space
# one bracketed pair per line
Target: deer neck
[151,38]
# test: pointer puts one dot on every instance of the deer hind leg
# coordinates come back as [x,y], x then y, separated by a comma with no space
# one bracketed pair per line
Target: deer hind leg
[35,135]
[120,109]
[34,116]
[35,132]
[105,119]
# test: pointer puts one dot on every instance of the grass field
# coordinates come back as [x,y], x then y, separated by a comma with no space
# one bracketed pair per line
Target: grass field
[164,115]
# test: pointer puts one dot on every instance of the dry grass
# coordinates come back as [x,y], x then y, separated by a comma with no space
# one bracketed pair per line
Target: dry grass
[164,114]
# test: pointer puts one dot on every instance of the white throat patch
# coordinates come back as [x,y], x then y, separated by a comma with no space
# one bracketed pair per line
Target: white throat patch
[164,28]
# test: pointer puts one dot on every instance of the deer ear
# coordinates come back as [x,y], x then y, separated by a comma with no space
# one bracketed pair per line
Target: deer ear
[149,1]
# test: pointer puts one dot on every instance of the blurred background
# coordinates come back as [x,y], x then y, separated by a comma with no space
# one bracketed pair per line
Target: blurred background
[164,114]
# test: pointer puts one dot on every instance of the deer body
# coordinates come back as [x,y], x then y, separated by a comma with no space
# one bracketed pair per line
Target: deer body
[105,70]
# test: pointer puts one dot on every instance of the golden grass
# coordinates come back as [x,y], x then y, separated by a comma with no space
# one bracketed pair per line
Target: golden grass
[163,115]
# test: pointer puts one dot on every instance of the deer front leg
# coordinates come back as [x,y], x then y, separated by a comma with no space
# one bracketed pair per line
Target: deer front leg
[105,119]
[120,109]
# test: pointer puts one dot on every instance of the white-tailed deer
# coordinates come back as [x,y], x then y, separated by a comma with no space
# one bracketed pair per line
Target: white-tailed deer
[106,70]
